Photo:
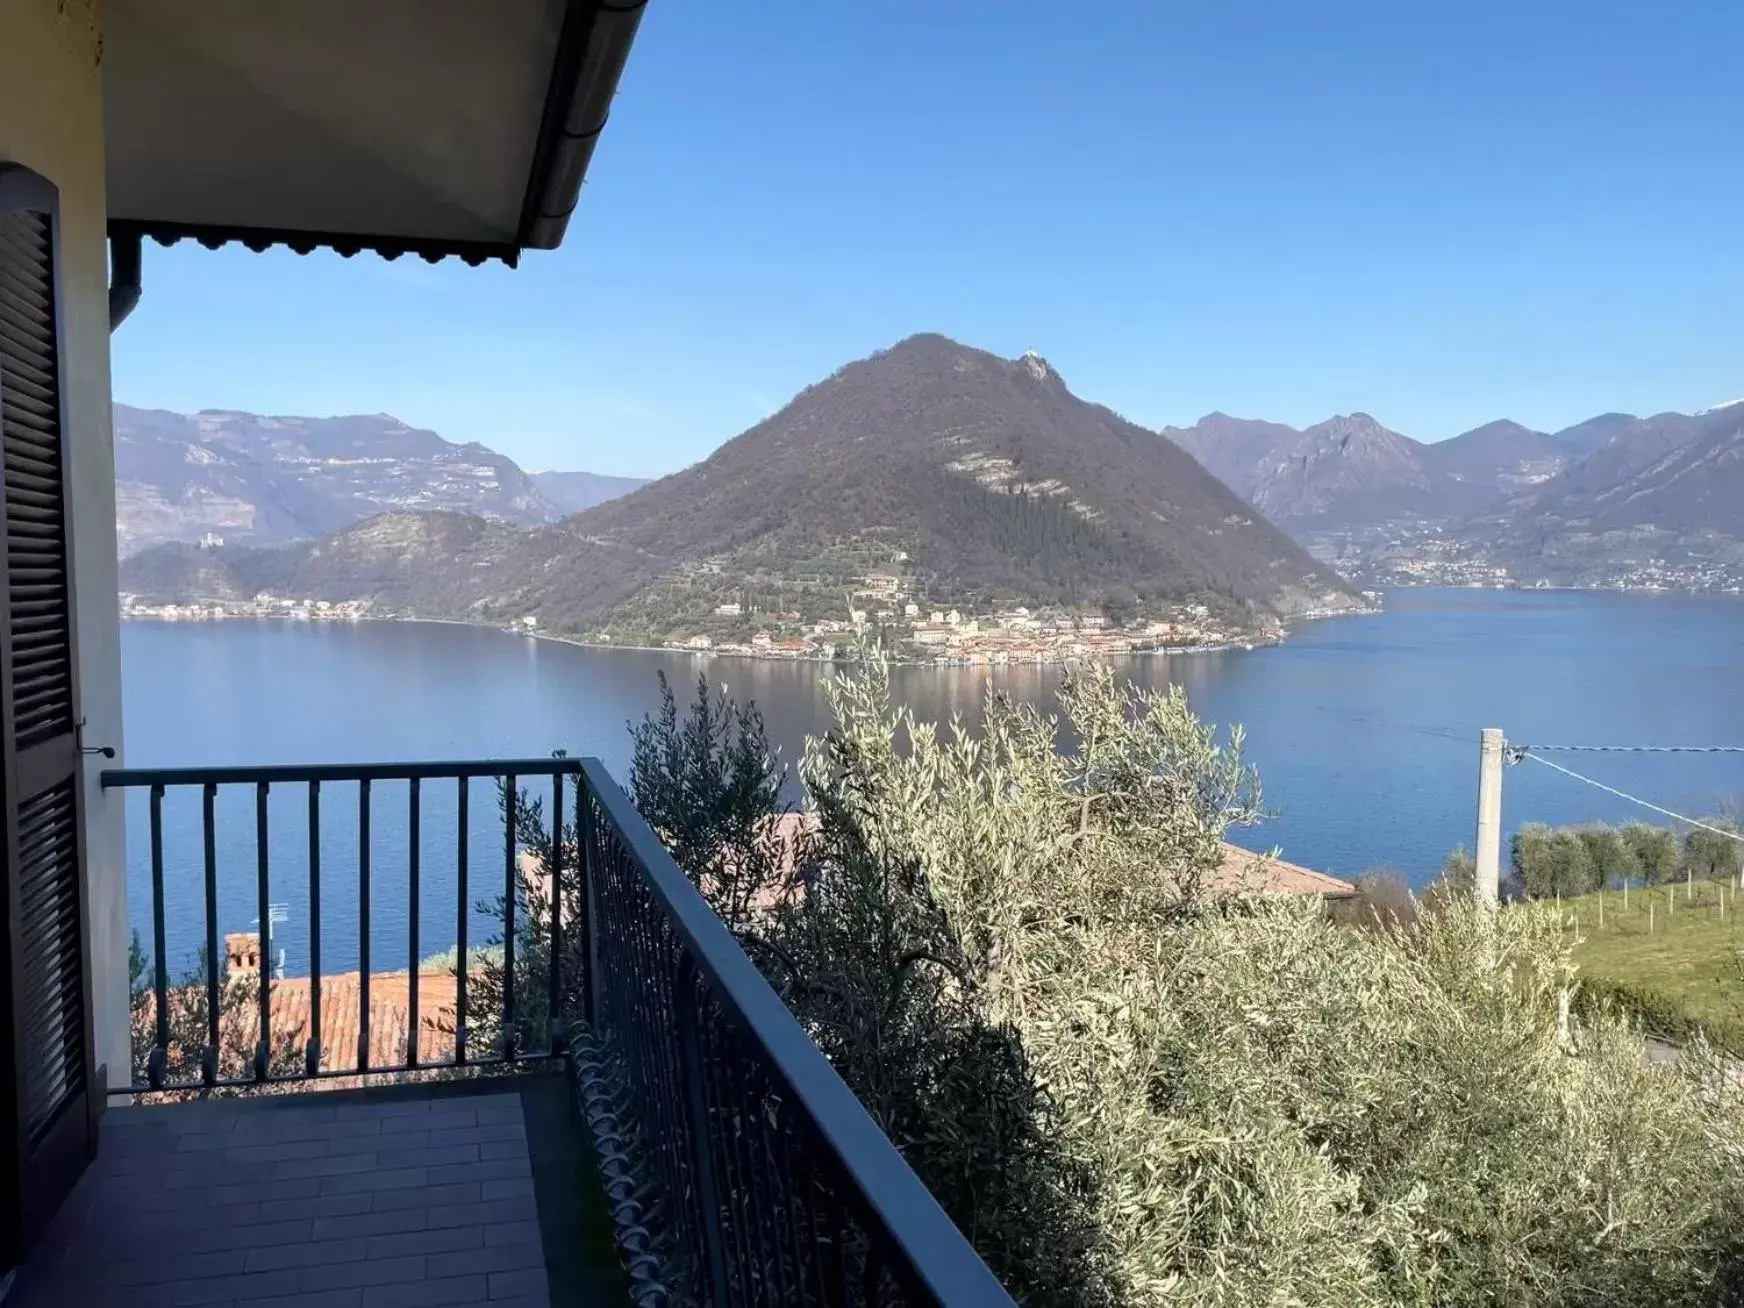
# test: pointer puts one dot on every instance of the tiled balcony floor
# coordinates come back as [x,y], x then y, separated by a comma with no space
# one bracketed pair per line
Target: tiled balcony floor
[406,1195]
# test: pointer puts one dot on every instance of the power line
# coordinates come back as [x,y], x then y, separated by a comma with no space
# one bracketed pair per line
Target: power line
[1637,749]
[1519,752]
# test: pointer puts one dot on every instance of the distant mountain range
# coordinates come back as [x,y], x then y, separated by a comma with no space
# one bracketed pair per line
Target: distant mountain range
[1666,487]
[1350,471]
[571,492]
[269,480]
[981,481]
[1580,506]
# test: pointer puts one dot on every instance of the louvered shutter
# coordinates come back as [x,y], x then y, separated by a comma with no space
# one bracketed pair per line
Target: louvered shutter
[46,941]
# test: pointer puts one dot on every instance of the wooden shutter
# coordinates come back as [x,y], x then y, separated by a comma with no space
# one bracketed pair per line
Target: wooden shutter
[51,1090]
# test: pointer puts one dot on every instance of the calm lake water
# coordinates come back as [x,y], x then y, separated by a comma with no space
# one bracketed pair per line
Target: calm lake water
[1364,730]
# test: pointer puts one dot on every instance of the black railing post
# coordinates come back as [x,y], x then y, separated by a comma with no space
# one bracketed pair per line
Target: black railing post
[363,925]
[312,1051]
[412,829]
[461,963]
[263,1048]
[687,1020]
[209,1057]
[156,1065]
[554,1012]
[588,869]
[510,890]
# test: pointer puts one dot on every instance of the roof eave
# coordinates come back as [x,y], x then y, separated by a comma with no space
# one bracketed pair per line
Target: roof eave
[591,53]
[302,241]
[592,49]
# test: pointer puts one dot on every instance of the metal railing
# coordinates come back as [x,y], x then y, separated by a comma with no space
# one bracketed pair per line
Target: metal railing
[763,1179]
[317,1059]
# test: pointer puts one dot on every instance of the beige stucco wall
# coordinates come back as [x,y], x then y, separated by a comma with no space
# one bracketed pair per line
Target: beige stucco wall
[51,120]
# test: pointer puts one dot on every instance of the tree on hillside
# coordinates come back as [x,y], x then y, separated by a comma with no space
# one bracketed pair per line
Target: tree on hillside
[1716,855]
[1128,1090]
[1459,873]
[709,787]
[1613,862]
[1654,850]
[873,970]
[1382,902]
[1550,862]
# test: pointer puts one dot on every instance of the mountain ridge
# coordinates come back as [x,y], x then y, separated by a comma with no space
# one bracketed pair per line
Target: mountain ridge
[977,481]
[271,479]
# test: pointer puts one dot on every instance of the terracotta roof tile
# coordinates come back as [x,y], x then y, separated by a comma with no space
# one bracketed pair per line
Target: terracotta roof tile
[389,1017]
[1241,869]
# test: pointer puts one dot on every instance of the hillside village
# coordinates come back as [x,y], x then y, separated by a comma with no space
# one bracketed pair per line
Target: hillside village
[919,630]
[883,607]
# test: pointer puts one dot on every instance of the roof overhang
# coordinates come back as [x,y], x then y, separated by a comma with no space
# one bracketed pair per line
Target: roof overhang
[431,127]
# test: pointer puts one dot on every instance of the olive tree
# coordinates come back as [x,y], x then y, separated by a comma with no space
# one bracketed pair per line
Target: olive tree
[1132,1083]
[1551,862]
[1716,854]
[1654,849]
[1613,861]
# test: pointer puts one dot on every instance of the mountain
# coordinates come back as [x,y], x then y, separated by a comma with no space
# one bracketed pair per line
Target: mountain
[1491,460]
[1672,472]
[979,481]
[1586,438]
[1234,449]
[1633,447]
[268,480]
[1347,471]
[450,565]
[1350,472]
[1657,502]
[571,492]
[1697,486]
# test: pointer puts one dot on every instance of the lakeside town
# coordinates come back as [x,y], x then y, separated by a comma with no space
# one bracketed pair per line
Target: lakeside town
[881,609]
[1424,554]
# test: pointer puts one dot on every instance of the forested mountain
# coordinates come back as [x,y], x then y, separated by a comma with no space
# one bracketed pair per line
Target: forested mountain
[1666,486]
[979,480]
[267,480]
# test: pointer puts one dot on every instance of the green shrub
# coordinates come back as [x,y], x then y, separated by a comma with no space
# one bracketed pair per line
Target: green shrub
[1660,1016]
[1128,1089]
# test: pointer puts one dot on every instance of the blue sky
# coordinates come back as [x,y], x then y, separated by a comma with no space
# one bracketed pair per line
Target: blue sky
[1438,214]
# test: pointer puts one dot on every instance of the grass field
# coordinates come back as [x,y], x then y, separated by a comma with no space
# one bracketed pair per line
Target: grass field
[1675,955]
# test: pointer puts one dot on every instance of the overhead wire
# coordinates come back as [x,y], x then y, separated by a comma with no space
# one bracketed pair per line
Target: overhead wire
[1518,752]
[1638,749]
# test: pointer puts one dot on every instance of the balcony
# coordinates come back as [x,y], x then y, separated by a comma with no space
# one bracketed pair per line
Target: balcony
[603,1101]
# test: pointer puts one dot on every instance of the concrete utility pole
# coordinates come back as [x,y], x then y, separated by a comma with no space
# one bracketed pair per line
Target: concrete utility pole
[1489,843]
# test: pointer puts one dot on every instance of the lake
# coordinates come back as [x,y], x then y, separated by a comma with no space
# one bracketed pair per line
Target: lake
[1364,730]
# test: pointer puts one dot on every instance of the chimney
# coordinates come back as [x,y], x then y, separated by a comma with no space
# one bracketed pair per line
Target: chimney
[241,954]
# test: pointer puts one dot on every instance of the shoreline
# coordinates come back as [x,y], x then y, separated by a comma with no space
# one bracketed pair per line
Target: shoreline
[1221,647]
